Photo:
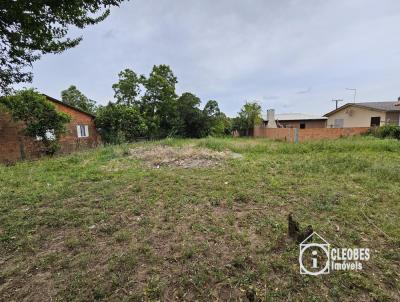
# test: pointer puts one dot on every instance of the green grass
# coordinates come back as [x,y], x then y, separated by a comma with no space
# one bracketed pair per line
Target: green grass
[101,225]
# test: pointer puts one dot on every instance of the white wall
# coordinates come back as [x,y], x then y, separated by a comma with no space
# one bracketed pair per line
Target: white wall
[356,117]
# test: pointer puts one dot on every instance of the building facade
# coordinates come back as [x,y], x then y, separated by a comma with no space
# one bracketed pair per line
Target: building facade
[370,114]
[81,133]
[297,120]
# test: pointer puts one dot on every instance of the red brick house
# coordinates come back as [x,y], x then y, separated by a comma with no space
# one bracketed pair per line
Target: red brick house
[81,133]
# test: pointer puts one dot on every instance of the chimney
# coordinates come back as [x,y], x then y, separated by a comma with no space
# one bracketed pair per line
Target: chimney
[398,102]
[271,118]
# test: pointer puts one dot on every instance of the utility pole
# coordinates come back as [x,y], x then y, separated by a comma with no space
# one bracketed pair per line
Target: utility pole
[355,93]
[337,102]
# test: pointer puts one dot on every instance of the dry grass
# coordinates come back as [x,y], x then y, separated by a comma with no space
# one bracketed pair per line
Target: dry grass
[184,157]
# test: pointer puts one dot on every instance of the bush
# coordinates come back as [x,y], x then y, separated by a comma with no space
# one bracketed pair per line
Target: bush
[118,123]
[387,131]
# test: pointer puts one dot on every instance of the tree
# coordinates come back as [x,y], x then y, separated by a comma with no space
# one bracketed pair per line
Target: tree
[118,123]
[159,101]
[212,116]
[29,29]
[73,97]
[39,116]
[249,116]
[191,120]
[221,126]
[211,109]
[127,90]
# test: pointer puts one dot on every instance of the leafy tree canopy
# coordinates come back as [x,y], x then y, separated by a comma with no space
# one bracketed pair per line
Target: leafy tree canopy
[249,116]
[211,109]
[127,90]
[159,101]
[191,120]
[29,29]
[39,116]
[73,97]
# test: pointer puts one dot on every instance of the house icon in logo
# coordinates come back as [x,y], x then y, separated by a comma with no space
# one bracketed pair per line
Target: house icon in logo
[314,258]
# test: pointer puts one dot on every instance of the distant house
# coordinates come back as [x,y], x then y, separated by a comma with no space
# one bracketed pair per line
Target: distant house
[368,114]
[297,120]
[81,133]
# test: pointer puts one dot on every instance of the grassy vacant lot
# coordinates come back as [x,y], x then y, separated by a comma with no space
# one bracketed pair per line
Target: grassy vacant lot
[116,224]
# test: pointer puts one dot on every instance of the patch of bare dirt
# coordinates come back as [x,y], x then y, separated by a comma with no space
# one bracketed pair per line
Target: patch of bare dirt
[184,157]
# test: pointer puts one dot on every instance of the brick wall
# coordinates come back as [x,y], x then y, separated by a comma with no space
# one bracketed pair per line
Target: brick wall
[15,146]
[288,134]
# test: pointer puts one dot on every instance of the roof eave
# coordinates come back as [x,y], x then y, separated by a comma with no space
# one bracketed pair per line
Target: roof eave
[355,105]
[69,106]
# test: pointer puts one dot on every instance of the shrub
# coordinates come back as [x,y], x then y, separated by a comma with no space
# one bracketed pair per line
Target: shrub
[118,123]
[387,131]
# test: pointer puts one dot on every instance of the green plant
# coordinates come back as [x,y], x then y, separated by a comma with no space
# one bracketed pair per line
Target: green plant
[42,120]
[386,131]
[118,123]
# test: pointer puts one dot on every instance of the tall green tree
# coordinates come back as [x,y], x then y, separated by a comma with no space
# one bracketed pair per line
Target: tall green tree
[127,89]
[159,101]
[211,109]
[249,116]
[191,120]
[40,117]
[212,117]
[29,29]
[73,97]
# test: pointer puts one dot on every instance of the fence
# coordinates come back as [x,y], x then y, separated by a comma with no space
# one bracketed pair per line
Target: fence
[293,134]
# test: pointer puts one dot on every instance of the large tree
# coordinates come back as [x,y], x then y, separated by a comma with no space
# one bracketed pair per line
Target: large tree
[159,101]
[42,120]
[127,89]
[73,97]
[249,117]
[191,120]
[31,28]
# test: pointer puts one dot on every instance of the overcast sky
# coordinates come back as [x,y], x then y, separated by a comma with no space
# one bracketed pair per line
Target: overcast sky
[291,55]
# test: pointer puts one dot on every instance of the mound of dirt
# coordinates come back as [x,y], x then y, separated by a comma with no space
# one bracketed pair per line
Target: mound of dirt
[185,157]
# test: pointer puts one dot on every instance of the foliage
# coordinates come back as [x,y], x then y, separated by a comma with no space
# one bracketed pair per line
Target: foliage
[191,122]
[73,97]
[249,117]
[164,113]
[217,123]
[118,123]
[159,101]
[211,109]
[127,90]
[29,29]
[386,131]
[221,125]
[39,116]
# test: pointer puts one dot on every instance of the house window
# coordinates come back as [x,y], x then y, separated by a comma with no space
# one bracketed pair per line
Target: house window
[375,121]
[49,136]
[302,125]
[339,123]
[82,130]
